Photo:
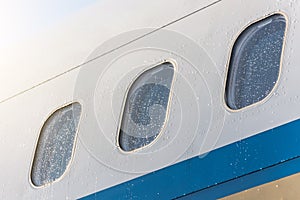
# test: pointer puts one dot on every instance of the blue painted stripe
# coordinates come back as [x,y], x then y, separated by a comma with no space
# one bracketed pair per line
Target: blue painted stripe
[227,163]
[251,180]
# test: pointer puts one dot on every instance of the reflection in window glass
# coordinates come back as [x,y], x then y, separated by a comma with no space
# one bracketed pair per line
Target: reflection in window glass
[55,145]
[255,62]
[146,107]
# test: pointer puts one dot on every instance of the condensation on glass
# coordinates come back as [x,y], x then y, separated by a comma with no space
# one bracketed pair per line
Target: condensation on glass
[146,107]
[55,145]
[255,62]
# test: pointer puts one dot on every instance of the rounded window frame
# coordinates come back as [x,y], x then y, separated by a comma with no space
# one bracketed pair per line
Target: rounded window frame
[267,97]
[73,148]
[175,69]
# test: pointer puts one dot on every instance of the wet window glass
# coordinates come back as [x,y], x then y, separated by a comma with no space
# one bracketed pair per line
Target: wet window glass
[146,107]
[255,62]
[55,145]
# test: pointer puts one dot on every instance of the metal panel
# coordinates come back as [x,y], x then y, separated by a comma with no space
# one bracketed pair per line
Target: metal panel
[285,188]
[222,172]
[55,49]
[22,116]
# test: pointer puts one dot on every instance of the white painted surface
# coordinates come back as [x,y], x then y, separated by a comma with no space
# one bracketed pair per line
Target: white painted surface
[33,56]
[28,63]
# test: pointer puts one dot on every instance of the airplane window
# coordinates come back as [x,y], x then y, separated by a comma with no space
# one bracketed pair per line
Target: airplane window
[55,145]
[255,62]
[146,107]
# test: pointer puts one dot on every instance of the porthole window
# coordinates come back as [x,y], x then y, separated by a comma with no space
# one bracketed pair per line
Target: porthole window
[146,107]
[255,62]
[55,145]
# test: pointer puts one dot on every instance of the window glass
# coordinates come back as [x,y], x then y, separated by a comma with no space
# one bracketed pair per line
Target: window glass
[146,107]
[55,145]
[255,62]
